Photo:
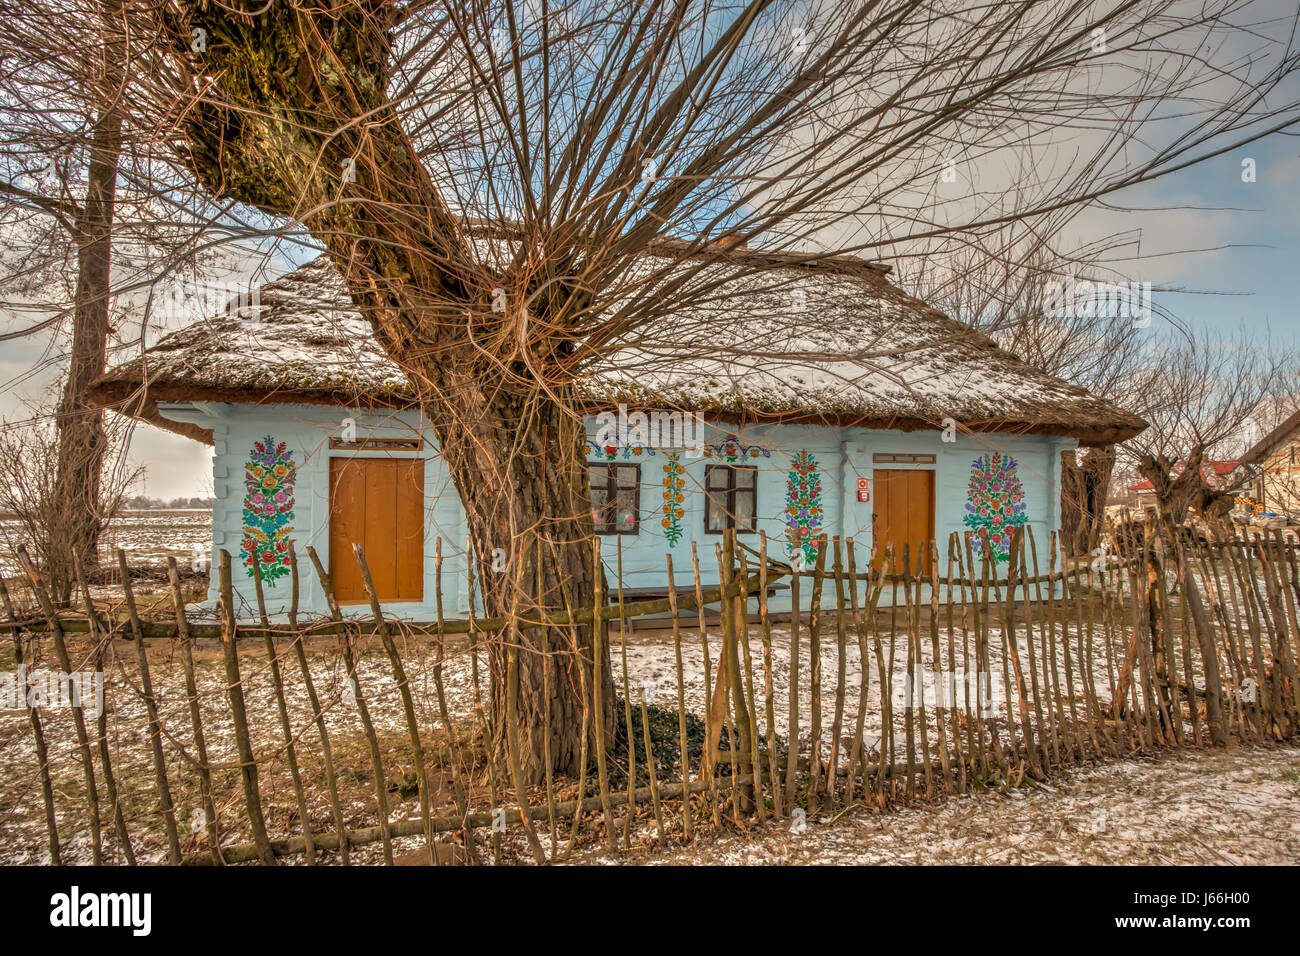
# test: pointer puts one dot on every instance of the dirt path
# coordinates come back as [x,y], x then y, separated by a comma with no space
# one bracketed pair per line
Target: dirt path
[1197,807]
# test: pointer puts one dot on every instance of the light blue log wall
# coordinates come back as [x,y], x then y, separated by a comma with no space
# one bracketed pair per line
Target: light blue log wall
[842,455]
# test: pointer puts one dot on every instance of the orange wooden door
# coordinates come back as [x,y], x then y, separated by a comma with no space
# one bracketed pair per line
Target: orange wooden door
[903,514]
[378,502]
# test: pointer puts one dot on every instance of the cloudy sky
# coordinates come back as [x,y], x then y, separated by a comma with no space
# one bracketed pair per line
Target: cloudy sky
[1231,248]
[1229,251]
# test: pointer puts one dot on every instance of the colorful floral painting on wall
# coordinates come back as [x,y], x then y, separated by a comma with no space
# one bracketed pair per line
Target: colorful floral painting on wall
[995,501]
[612,450]
[269,475]
[674,496]
[803,508]
[732,449]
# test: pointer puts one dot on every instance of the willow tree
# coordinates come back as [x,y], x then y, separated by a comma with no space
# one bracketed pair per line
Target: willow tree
[75,503]
[602,130]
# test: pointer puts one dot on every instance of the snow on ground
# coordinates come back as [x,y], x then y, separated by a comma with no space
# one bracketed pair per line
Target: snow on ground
[651,671]
[147,537]
[22,829]
[1232,807]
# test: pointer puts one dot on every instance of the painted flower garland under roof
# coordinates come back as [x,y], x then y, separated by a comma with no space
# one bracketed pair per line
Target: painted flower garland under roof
[610,452]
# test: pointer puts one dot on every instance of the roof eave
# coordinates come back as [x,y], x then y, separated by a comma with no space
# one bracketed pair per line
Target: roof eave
[132,399]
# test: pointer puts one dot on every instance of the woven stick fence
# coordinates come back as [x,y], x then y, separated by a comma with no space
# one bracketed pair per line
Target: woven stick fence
[896,677]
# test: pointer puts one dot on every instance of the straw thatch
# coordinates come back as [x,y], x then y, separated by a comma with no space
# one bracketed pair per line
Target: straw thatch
[782,338]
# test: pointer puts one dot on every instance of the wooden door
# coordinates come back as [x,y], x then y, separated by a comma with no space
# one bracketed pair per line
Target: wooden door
[903,514]
[378,502]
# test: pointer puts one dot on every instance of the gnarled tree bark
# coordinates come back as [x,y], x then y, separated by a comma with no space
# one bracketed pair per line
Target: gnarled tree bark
[295,120]
[1085,486]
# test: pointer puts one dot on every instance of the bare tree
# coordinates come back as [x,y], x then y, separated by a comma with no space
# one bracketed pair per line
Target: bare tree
[517,195]
[30,453]
[1199,391]
[1059,308]
[87,222]
[62,157]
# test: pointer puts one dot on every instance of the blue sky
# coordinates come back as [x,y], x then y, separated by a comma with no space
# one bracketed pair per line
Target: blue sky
[1233,247]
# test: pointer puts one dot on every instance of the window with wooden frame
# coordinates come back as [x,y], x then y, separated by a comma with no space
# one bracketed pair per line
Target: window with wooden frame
[730,498]
[615,497]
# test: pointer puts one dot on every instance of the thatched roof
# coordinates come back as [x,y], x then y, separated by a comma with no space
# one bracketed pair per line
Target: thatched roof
[870,355]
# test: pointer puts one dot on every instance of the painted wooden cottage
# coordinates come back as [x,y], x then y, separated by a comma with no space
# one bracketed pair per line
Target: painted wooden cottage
[883,419]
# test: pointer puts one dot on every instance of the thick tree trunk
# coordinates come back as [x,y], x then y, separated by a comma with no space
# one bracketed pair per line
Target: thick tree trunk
[516,462]
[1085,486]
[82,439]
[483,351]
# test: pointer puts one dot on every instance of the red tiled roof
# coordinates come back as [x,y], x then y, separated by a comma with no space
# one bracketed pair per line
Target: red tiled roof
[1218,468]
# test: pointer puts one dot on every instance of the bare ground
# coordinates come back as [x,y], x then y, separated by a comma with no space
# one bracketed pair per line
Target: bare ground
[1233,807]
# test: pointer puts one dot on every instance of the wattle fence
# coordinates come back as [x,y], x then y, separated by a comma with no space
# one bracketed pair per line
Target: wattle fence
[138,734]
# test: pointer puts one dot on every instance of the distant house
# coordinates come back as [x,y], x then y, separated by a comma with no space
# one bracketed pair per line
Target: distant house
[1217,474]
[318,440]
[1270,470]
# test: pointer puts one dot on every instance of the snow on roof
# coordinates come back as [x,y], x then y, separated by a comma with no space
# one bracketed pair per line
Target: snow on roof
[869,355]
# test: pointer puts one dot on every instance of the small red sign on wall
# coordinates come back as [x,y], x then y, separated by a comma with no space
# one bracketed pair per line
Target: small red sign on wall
[864,489]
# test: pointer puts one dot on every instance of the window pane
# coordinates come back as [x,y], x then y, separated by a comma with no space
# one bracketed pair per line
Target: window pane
[744,510]
[625,512]
[716,476]
[717,515]
[600,511]
[627,475]
[745,477]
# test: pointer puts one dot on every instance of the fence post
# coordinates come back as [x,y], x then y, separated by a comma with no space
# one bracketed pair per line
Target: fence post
[327,754]
[78,719]
[769,706]
[363,709]
[815,677]
[38,735]
[408,704]
[599,634]
[196,719]
[101,722]
[1209,655]
[235,691]
[282,711]
[681,700]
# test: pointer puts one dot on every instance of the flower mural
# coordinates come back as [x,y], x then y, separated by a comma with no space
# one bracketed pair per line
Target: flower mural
[732,449]
[995,501]
[269,475]
[674,497]
[803,508]
[611,451]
